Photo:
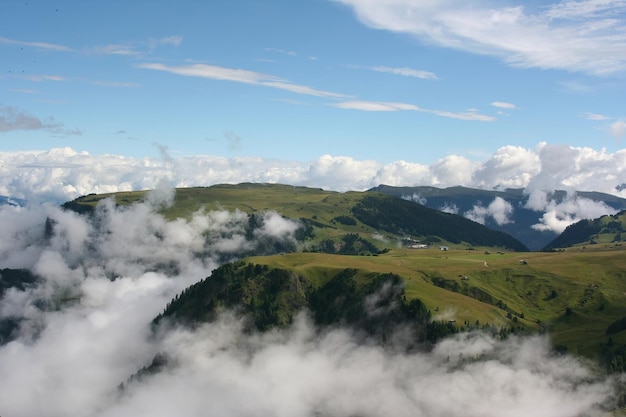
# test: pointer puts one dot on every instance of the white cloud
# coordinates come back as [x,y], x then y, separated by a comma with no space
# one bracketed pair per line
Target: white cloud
[499,209]
[466,115]
[504,105]
[572,9]
[618,129]
[44,77]
[391,106]
[582,36]
[280,51]
[558,214]
[407,72]
[62,174]
[449,208]
[171,40]
[508,167]
[594,116]
[37,45]
[137,48]
[416,198]
[85,326]
[375,106]
[117,49]
[238,75]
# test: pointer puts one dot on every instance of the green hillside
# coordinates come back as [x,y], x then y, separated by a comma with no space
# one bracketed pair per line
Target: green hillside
[463,200]
[578,298]
[605,230]
[483,280]
[347,223]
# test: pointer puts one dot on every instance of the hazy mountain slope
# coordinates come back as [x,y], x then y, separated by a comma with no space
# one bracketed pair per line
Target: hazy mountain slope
[603,230]
[519,221]
[19,280]
[348,223]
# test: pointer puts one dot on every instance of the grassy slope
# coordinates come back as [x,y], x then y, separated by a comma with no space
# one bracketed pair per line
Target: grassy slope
[303,203]
[609,229]
[591,281]
[591,284]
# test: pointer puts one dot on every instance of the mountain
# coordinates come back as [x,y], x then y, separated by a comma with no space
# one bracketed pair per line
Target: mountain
[333,222]
[603,230]
[270,297]
[577,297]
[209,281]
[518,222]
[570,294]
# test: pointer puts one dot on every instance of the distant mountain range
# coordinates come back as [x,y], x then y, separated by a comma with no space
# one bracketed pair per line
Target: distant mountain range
[471,202]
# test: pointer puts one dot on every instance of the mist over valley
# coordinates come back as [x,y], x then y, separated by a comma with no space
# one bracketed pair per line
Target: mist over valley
[117,308]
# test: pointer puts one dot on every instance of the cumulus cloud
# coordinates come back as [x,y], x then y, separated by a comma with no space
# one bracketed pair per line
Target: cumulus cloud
[558,214]
[571,35]
[416,198]
[62,174]
[499,210]
[509,167]
[449,208]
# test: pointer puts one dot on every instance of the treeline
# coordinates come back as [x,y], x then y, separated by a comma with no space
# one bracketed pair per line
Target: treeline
[19,279]
[348,244]
[271,297]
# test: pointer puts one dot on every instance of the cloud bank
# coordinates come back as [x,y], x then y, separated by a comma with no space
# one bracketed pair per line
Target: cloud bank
[61,174]
[574,35]
[84,329]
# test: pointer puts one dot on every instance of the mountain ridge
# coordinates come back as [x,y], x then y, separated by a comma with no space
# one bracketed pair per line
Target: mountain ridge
[329,217]
[519,222]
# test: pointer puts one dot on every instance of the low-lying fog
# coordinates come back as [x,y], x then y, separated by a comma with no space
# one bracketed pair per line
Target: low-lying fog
[82,334]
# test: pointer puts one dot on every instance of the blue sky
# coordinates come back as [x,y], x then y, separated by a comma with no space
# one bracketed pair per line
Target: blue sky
[373,80]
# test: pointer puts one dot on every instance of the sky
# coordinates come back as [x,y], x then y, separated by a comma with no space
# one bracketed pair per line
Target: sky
[381,80]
